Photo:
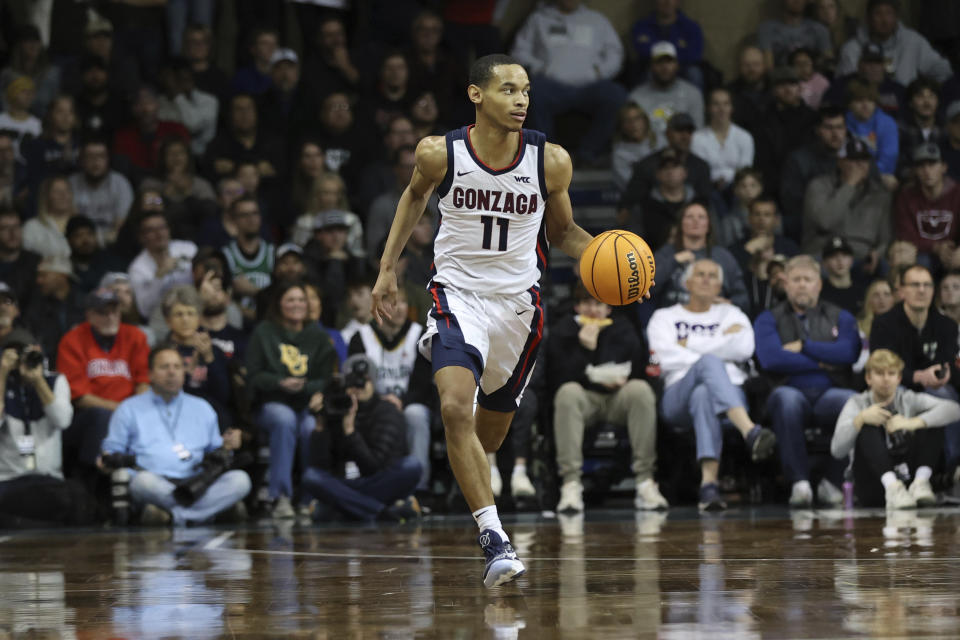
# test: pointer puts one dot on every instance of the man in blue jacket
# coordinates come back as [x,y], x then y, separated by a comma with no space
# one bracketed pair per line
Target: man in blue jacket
[807,346]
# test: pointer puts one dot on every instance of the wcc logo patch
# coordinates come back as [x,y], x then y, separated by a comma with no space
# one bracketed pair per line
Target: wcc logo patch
[523,179]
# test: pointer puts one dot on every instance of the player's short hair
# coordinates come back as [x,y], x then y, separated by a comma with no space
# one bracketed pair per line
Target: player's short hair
[481,72]
[688,272]
[883,360]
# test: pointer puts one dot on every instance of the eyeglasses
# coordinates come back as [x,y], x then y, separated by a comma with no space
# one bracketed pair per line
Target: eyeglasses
[919,285]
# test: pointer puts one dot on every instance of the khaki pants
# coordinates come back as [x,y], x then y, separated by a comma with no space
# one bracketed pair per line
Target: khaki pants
[634,404]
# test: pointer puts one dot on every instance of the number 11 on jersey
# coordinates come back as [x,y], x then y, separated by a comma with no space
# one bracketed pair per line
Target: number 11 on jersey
[487,222]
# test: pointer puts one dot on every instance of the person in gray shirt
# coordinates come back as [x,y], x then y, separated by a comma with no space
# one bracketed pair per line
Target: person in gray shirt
[101,194]
[665,94]
[778,38]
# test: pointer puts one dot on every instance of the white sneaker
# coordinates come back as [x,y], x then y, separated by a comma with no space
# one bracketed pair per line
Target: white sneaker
[496,482]
[571,496]
[828,494]
[922,493]
[521,487]
[801,497]
[897,497]
[282,509]
[649,497]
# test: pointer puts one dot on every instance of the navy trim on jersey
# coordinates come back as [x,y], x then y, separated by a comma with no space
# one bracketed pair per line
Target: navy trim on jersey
[543,247]
[436,232]
[539,139]
[447,181]
[480,163]
[451,337]
[505,398]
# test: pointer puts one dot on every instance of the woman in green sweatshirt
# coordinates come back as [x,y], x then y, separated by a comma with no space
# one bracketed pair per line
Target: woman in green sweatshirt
[289,362]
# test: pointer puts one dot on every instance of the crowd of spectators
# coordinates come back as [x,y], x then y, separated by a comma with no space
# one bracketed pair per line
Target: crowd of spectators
[183,242]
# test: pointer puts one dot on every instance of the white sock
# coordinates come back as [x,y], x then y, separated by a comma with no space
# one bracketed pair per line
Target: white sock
[519,469]
[889,479]
[923,473]
[487,518]
[803,486]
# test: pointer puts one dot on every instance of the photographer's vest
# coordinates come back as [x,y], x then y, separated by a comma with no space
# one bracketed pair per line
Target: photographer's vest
[820,324]
[394,362]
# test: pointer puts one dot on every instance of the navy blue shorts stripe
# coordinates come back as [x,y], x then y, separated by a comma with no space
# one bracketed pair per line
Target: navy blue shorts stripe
[449,347]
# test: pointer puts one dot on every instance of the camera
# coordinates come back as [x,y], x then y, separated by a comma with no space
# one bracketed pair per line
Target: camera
[213,465]
[336,401]
[31,359]
[112,461]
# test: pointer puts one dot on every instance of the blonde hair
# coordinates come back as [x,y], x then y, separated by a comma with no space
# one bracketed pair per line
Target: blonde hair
[651,137]
[883,360]
[865,321]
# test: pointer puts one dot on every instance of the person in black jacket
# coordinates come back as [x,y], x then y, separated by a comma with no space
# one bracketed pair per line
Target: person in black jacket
[926,340]
[588,355]
[359,465]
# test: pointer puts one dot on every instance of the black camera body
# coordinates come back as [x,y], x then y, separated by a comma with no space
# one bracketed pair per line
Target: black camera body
[113,461]
[31,359]
[336,401]
[214,464]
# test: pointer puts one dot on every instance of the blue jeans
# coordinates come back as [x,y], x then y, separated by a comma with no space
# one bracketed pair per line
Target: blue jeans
[286,429]
[600,100]
[364,498]
[790,411]
[418,440]
[951,432]
[226,491]
[698,399]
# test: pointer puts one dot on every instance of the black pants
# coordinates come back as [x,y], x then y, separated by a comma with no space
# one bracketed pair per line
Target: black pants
[36,500]
[871,459]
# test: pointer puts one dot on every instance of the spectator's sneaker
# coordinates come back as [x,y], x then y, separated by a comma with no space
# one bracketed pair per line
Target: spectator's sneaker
[649,497]
[571,496]
[154,516]
[801,496]
[282,509]
[502,562]
[496,482]
[521,487]
[305,511]
[401,511]
[710,498]
[922,493]
[828,494]
[761,443]
[897,497]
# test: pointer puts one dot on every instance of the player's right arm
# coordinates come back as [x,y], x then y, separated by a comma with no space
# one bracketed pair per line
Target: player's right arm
[430,169]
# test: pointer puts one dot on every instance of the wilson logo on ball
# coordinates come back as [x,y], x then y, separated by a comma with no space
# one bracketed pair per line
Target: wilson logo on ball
[633,291]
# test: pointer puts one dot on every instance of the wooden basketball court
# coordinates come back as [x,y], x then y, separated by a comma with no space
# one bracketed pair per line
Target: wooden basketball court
[614,574]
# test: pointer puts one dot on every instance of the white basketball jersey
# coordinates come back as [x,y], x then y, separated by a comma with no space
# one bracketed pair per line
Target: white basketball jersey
[491,237]
[394,365]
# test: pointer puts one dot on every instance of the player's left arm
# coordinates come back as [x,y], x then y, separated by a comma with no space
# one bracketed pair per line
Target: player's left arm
[562,231]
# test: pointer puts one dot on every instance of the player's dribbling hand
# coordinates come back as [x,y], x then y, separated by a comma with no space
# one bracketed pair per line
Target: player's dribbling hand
[384,296]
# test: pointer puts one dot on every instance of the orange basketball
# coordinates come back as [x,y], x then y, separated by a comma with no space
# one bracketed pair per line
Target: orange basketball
[617,267]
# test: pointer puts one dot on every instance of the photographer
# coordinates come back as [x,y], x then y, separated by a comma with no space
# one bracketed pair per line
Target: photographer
[359,462]
[893,434]
[172,437]
[34,408]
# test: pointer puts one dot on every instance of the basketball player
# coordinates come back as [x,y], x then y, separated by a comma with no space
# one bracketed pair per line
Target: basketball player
[503,195]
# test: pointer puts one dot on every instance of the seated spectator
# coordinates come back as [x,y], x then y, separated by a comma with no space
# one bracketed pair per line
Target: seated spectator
[786,126]
[334,69]
[44,233]
[139,142]
[205,365]
[99,193]
[667,23]
[90,262]
[841,26]
[287,105]
[794,30]
[580,348]
[55,151]
[198,51]
[118,283]
[348,145]
[876,301]
[308,170]
[9,311]
[655,215]
[809,161]
[378,175]
[328,256]
[181,101]
[290,363]
[417,255]
[926,341]
[694,241]
[843,287]
[765,282]
[702,347]
[887,429]
[315,311]
[392,94]
[807,346]
[871,69]
[98,42]
[950,147]
[572,54]
[927,212]
[434,66]
[288,268]
[259,188]
[162,264]
[170,433]
[763,238]
[56,306]
[219,315]
[188,198]
[679,138]
[722,144]
[28,58]
[249,257]
[948,300]
[100,107]
[255,79]
[425,115]
[920,122]
[665,93]
[330,194]
[16,118]
[359,465]
[18,266]
[732,228]
[633,140]
[35,406]
[750,89]
[105,362]
[10,182]
[909,52]
[243,140]
[851,203]
[812,83]
[875,128]
[357,308]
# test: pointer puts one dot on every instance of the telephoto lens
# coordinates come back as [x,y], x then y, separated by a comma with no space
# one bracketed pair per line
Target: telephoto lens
[120,496]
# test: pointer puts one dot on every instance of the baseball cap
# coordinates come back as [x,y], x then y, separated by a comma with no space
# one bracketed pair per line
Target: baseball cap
[926,152]
[856,149]
[953,110]
[17,338]
[329,219]
[98,25]
[681,122]
[56,264]
[113,277]
[872,52]
[289,247]
[783,75]
[99,298]
[837,244]
[284,55]
[663,49]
